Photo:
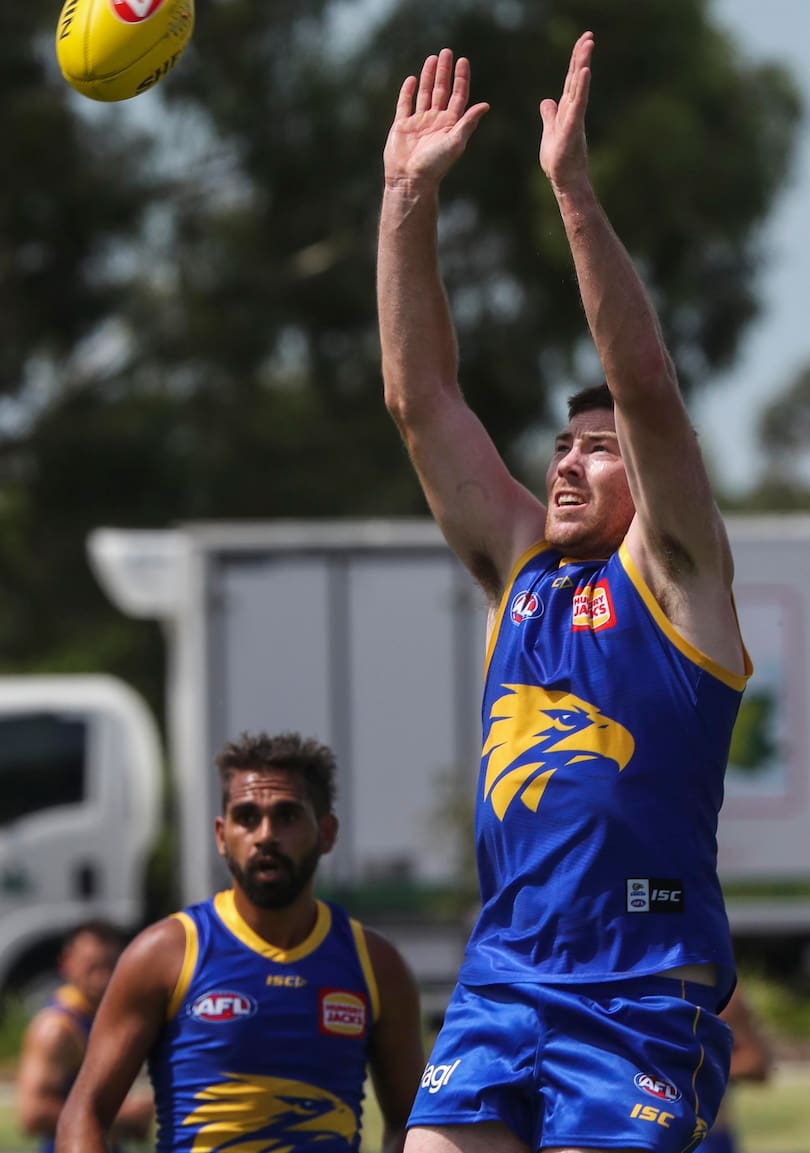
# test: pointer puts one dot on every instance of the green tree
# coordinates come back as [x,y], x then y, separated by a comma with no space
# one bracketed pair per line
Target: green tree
[188,283]
[784,434]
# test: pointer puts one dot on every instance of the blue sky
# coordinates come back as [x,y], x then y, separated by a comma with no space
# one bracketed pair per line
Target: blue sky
[777,345]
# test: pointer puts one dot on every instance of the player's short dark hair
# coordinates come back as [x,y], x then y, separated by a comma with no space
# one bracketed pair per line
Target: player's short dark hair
[588,399]
[314,762]
[103,930]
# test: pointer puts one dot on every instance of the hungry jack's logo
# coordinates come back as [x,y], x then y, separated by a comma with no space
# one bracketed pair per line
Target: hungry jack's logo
[342,1012]
[559,732]
[593,608]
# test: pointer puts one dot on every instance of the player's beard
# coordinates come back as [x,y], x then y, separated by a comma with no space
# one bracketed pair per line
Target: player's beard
[283,889]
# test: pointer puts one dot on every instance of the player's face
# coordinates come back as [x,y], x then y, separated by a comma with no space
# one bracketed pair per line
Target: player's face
[88,963]
[589,501]
[270,836]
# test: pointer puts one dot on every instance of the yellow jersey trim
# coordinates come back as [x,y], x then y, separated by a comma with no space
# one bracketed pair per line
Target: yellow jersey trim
[534,550]
[733,680]
[188,966]
[368,970]
[73,999]
[225,907]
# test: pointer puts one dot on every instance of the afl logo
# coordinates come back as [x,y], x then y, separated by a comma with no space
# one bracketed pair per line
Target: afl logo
[525,605]
[135,11]
[663,1090]
[219,1006]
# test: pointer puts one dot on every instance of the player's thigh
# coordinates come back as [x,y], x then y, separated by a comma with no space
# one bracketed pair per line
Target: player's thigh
[483,1137]
[581,1149]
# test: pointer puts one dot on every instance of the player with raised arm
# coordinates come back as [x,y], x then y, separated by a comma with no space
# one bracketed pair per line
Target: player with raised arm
[586,1013]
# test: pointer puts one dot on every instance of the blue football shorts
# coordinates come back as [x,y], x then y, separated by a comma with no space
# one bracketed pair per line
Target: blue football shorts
[630,1064]
[719,1141]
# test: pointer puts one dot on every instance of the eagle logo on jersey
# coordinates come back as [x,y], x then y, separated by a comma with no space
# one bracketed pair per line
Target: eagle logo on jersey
[559,729]
[699,1134]
[268,1115]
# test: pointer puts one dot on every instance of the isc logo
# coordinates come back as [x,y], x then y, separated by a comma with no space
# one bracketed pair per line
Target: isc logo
[221,1006]
[650,1113]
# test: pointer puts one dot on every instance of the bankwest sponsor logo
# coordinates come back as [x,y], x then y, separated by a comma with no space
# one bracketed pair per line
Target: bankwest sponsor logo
[220,1006]
[593,608]
[342,1012]
[657,1087]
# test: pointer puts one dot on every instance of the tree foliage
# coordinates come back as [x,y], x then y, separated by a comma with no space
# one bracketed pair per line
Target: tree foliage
[784,434]
[187,282]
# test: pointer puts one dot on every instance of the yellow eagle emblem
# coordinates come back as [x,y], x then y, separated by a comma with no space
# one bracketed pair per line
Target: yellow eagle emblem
[268,1115]
[559,728]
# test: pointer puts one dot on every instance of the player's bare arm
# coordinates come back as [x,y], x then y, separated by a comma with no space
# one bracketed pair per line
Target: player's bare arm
[129,1018]
[397,1057]
[679,545]
[51,1054]
[486,516]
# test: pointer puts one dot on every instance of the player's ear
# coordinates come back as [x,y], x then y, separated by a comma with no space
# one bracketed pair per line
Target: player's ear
[328,826]
[219,834]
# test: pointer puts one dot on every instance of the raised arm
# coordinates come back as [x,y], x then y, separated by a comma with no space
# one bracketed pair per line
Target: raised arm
[677,543]
[486,516]
[128,1021]
[397,1055]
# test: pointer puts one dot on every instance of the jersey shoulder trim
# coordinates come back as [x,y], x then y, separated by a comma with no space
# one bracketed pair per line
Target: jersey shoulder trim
[521,562]
[733,680]
[368,970]
[188,966]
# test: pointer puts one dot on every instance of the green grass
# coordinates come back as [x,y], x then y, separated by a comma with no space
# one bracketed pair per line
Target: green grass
[775,1118]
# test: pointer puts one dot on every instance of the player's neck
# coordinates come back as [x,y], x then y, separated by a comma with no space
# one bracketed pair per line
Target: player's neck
[283,928]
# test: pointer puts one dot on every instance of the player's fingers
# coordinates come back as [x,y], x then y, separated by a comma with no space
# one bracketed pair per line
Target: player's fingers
[405,100]
[470,121]
[442,81]
[461,87]
[548,112]
[427,77]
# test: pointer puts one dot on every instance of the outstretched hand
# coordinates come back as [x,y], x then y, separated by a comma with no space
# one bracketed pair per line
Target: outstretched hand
[428,136]
[563,149]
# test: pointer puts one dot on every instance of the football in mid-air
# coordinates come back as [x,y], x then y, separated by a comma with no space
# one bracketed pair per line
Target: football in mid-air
[115,49]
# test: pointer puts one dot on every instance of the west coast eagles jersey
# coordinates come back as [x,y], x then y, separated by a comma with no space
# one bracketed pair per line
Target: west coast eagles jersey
[71,1004]
[606,736]
[264,1049]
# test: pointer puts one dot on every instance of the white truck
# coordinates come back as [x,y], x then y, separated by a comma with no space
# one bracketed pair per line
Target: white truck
[369,635]
[80,802]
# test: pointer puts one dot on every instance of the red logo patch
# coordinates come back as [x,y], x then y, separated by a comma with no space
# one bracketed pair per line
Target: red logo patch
[342,1012]
[593,608]
[525,605]
[135,11]
[657,1087]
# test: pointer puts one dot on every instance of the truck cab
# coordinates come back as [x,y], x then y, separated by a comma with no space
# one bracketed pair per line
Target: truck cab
[80,790]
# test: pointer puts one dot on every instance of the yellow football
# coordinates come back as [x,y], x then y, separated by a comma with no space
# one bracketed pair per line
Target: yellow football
[115,49]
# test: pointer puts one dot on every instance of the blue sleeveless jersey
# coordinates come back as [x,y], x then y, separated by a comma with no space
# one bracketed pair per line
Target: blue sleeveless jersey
[71,1004]
[606,737]
[264,1049]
